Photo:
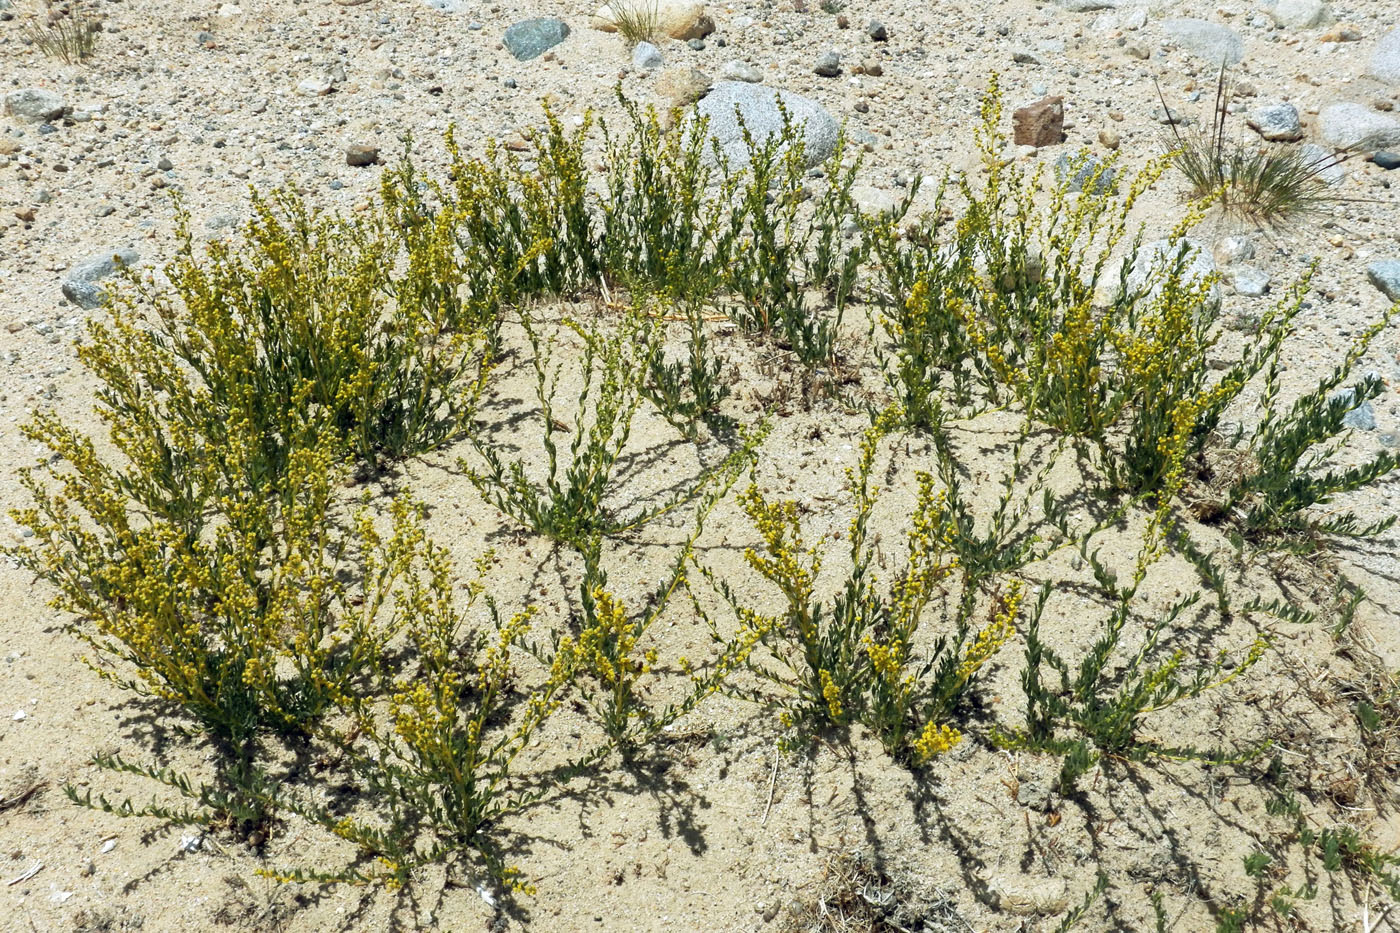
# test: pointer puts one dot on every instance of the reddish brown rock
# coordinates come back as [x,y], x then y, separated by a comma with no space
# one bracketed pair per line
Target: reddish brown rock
[361,155]
[1039,124]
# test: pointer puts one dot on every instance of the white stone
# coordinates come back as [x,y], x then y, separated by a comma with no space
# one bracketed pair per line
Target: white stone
[1217,45]
[1385,60]
[1154,260]
[1301,14]
[1354,126]
[314,87]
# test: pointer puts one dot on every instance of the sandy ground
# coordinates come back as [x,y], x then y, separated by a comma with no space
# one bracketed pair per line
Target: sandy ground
[719,831]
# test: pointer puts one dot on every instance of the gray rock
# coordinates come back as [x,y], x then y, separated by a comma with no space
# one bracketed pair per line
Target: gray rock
[1327,166]
[80,286]
[1276,122]
[872,200]
[757,106]
[1385,60]
[646,56]
[531,38]
[1355,126]
[1387,160]
[1167,116]
[1088,6]
[1385,275]
[696,44]
[828,65]
[1084,173]
[1232,249]
[1154,260]
[740,71]
[34,105]
[1212,42]
[1301,14]
[1361,418]
[1250,281]
[877,31]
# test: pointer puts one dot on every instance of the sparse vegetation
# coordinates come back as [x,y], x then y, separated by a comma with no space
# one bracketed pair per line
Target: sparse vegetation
[637,20]
[243,551]
[67,32]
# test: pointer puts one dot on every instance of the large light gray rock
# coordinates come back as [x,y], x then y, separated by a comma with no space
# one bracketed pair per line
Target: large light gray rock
[1155,260]
[1324,163]
[1276,122]
[1385,60]
[757,106]
[1354,126]
[80,286]
[1385,275]
[1086,169]
[1301,14]
[1216,44]
[34,105]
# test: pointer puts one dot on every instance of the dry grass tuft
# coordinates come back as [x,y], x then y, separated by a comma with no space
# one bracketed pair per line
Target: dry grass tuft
[857,896]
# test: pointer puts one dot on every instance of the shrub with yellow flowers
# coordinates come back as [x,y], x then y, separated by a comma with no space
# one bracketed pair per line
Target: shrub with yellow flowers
[435,737]
[867,654]
[1009,299]
[572,502]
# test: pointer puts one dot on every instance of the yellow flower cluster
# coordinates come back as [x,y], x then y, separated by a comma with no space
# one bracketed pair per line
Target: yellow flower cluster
[608,647]
[997,632]
[832,694]
[888,660]
[935,739]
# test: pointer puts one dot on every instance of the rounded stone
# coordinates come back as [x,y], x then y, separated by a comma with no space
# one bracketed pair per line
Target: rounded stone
[757,106]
